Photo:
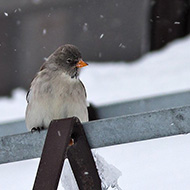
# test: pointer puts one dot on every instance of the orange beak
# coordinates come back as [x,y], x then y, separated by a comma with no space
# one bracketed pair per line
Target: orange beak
[81,63]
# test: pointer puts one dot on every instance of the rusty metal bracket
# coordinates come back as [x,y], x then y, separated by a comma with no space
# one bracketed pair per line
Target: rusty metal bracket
[56,149]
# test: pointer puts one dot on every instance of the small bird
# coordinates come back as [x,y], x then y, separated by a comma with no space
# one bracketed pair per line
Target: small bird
[57,92]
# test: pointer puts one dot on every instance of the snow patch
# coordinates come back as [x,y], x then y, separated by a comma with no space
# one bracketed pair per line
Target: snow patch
[109,175]
[13,108]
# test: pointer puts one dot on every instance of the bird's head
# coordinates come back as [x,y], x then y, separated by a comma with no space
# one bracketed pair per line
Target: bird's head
[68,58]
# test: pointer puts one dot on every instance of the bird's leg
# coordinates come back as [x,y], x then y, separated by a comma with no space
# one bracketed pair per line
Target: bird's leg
[37,129]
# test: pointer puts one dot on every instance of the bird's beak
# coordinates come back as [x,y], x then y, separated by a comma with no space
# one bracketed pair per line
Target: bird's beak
[81,63]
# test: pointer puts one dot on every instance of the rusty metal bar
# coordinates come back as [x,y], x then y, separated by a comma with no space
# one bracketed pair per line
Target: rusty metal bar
[82,162]
[55,151]
[53,155]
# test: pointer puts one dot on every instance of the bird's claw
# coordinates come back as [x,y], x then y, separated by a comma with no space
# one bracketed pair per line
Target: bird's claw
[37,129]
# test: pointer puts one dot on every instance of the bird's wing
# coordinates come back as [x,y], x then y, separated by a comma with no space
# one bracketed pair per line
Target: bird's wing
[83,87]
[28,96]
[29,91]
[87,103]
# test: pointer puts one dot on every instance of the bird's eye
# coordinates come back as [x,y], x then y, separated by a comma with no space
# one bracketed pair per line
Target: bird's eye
[69,60]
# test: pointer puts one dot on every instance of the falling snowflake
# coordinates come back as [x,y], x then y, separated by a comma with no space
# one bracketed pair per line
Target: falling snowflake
[36,1]
[17,10]
[18,22]
[6,14]
[176,22]
[99,54]
[85,27]
[101,36]
[122,46]
[44,31]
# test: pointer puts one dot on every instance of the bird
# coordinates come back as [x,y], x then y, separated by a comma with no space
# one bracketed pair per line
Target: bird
[56,92]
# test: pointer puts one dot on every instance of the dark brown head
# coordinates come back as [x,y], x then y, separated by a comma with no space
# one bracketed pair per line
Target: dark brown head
[68,58]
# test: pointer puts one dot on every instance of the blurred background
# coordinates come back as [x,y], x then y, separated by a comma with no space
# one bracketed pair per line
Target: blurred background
[107,30]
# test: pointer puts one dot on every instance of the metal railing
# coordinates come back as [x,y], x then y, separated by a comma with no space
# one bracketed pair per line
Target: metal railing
[159,116]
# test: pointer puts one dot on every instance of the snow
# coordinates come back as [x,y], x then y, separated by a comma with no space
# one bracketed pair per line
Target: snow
[157,164]
[22,175]
[157,73]
[176,22]
[122,46]
[101,36]
[17,105]
[6,14]
[109,175]
[44,31]
[85,27]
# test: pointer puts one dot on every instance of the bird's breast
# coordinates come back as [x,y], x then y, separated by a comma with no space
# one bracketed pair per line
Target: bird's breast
[65,97]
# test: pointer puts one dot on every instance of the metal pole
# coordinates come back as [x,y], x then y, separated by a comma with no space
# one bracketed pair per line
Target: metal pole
[55,152]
